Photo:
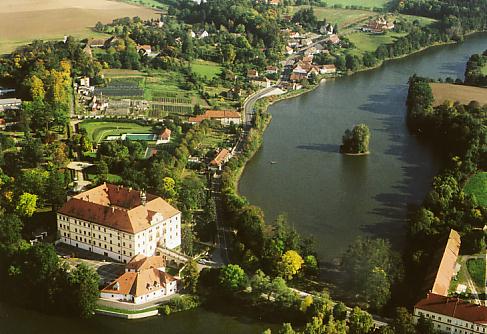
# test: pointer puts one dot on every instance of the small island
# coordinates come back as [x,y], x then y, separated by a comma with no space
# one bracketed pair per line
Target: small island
[356,141]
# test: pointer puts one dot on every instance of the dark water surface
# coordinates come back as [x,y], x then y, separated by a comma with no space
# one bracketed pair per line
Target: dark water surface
[334,197]
[330,196]
[15,320]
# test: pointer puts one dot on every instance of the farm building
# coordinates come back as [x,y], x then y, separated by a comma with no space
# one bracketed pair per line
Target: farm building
[225,117]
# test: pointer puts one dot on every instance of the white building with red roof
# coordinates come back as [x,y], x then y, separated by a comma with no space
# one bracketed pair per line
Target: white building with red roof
[119,222]
[144,280]
[452,315]
[225,117]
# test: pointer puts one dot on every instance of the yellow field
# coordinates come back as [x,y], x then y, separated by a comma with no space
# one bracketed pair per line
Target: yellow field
[21,21]
[463,94]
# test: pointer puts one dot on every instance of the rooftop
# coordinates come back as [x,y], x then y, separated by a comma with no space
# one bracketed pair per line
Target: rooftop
[118,207]
[217,114]
[141,262]
[453,307]
[444,262]
[139,283]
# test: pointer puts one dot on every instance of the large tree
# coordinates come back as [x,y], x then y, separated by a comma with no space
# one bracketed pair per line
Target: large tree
[372,268]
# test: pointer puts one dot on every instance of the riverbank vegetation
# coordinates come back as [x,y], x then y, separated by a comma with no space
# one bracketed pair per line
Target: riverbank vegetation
[476,71]
[459,132]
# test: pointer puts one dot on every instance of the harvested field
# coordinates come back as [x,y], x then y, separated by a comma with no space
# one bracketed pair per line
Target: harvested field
[461,93]
[22,21]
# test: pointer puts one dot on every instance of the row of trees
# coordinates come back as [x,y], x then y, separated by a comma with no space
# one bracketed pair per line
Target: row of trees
[476,71]
[459,132]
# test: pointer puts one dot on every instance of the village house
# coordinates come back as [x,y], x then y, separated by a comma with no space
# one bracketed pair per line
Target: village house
[334,39]
[328,69]
[146,49]
[144,281]
[97,43]
[271,69]
[225,117]
[326,29]
[164,137]
[203,34]
[273,2]
[297,77]
[252,74]
[3,124]
[119,222]
[221,158]
[378,26]
[261,82]
[451,314]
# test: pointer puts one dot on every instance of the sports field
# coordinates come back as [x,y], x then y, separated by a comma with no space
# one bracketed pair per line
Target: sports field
[22,21]
[464,94]
[477,185]
[99,130]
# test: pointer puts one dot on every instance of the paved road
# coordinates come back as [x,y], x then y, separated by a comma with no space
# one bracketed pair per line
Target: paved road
[249,103]
[220,255]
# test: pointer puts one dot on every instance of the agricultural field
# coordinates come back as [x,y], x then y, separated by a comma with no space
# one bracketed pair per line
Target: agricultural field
[343,17]
[370,42]
[477,185]
[205,68]
[98,130]
[464,94]
[22,21]
[360,3]
[162,88]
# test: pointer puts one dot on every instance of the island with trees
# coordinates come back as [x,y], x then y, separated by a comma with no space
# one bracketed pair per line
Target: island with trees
[356,141]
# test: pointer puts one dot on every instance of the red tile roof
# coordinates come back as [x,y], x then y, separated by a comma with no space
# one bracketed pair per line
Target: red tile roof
[215,114]
[117,207]
[453,307]
[141,262]
[444,265]
[139,283]
[165,135]
[220,158]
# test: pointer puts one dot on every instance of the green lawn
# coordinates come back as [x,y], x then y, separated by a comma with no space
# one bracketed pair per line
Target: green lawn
[98,130]
[369,42]
[148,3]
[477,185]
[117,310]
[361,3]
[206,69]
[342,17]
[476,268]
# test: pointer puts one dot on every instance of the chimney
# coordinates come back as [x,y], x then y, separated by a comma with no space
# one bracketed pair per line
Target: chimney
[143,197]
[113,209]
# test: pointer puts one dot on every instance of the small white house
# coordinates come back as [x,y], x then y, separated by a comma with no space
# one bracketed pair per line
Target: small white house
[203,34]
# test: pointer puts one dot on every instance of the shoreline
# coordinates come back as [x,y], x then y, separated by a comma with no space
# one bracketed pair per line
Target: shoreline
[270,100]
